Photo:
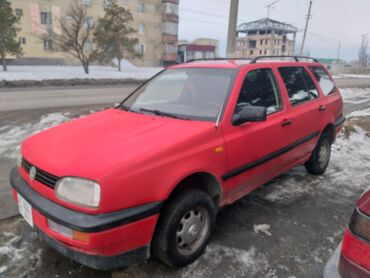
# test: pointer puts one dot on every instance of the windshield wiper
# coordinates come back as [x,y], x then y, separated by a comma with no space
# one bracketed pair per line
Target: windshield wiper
[161,113]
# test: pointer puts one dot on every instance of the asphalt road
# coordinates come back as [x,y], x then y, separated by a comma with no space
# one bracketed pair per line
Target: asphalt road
[38,98]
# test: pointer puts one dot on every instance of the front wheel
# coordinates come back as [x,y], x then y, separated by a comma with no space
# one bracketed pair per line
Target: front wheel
[184,228]
[320,157]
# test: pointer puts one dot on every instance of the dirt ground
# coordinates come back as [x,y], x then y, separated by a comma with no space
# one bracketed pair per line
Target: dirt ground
[287,228]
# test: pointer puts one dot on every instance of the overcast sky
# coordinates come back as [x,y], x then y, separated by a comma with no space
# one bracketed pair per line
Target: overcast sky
[333,22]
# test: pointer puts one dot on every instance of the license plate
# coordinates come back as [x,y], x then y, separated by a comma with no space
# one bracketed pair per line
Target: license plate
[25,209]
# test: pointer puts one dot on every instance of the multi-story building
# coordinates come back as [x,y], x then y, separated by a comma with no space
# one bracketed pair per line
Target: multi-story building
[265,37]
[156,22]
[202,48]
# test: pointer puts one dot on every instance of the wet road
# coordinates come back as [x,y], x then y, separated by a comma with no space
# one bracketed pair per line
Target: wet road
[305,215]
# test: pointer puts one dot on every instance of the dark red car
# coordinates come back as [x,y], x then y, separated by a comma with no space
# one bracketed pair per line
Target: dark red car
[355,255]
[148,177]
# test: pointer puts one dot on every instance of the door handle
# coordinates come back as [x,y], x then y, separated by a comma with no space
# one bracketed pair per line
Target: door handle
[286,122]
[322,108]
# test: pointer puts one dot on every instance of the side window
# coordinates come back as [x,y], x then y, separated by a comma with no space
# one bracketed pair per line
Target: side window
[326,83]
[299,84]
[260,89]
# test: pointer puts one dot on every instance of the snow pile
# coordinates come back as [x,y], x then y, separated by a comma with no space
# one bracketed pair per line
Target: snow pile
[348,171]
[355,95]
[12,136]
[72,72]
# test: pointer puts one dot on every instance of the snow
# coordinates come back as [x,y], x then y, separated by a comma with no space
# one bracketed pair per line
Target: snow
[355,95]
[359,113]
[72,72]
[12,136]
[3,269]
[351,76]
[241,263]
[263,228]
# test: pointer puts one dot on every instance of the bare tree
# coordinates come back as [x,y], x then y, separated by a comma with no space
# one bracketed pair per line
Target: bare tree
[75,36]
[363,57]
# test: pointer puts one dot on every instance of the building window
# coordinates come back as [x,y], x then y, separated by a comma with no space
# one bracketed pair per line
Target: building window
[251,52]
[18,12]
[22,40]
[170,28]
[141,49]
[265,52]
[261,42]
[48,44]
[260,51]
[141,28]
[87,2]
[170,8]
[141,8]
[45,18]
[108,3]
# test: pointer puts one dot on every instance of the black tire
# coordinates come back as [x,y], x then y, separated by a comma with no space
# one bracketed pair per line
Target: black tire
[317,164]
[166,241]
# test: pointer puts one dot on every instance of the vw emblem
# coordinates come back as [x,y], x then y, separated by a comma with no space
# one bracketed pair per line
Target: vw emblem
[32,173]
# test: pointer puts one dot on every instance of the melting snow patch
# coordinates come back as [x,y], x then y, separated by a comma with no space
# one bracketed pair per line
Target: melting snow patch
[241,263]
[12,136]
[263,228]
[3,269]
[359,113]
[355,95]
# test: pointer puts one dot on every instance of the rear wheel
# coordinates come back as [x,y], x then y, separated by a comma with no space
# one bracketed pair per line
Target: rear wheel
[320,157]
[184,228]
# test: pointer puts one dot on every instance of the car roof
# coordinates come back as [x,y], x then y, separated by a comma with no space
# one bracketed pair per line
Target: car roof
[234,63]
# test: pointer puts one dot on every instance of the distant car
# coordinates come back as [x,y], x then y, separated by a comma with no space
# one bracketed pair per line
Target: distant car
[355,255]
[148,176]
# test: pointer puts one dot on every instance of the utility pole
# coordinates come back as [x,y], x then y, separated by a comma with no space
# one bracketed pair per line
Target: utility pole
[233,20]
[338,53]
[306,27]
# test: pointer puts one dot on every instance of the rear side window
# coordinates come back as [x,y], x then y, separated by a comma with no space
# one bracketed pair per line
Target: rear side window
[260,89]
[326,83]
[299,84]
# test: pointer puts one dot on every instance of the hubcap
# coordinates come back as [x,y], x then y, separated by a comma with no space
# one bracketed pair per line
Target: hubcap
[192,230]
[324,154]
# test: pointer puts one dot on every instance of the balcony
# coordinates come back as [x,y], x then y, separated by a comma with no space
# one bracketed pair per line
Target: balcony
[170,17]
[167,38]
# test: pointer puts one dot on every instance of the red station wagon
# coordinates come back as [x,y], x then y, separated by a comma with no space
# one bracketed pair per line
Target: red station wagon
[355,256]
[148,176]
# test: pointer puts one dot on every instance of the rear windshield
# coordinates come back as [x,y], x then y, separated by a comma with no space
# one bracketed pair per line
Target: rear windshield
[192,93]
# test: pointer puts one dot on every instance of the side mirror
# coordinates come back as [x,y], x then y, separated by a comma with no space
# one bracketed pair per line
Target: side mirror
[250,114]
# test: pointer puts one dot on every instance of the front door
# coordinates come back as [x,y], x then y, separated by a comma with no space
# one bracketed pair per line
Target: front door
[254,150]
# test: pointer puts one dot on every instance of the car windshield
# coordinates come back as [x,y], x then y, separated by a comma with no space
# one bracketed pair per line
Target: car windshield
[186,93]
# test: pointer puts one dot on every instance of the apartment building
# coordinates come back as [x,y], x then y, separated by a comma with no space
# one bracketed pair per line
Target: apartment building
[156,22]
[265,37]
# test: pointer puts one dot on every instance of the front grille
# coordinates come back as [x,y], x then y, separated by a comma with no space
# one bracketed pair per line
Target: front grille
[41,176]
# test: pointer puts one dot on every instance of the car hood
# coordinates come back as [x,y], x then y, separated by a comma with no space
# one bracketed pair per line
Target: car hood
[93,145]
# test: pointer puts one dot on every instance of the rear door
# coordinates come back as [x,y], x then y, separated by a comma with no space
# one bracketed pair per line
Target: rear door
[306,109]
[332,100]
[253,148]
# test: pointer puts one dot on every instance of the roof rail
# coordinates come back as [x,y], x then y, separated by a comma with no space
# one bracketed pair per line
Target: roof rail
[296,58]
[217,59]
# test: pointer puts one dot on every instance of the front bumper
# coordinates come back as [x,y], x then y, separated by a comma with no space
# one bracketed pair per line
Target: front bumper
[116,239]
[349,269]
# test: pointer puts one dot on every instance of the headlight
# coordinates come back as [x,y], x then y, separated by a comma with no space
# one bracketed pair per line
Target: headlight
[79,191]
[19,158]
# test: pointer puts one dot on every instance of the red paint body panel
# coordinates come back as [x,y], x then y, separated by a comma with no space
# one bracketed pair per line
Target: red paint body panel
[356,250]
[139,159]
